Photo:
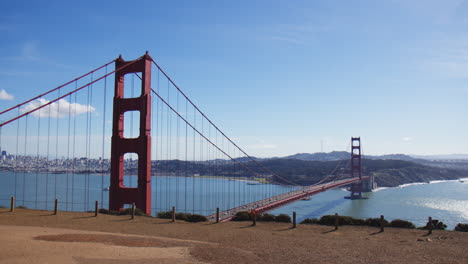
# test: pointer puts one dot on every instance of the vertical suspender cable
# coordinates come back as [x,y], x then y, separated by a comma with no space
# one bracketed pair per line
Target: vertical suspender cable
[73,153]
[68,151]
[47,160]
[103,139]
[24,158]
[17,156]
[37,159]
[56,146]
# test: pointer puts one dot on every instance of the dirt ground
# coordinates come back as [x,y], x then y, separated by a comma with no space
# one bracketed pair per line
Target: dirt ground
[32,236]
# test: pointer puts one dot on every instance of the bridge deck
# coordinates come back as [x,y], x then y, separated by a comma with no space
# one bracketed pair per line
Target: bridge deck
[275,202]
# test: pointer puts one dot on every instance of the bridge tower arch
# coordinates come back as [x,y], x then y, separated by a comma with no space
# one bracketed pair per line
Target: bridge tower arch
[119,195]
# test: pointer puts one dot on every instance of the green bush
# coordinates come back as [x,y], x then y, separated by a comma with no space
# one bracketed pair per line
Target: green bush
[195,218]
[21,207]
[401,224]
[165,215]
[266,218]
[436,224]
[374,222]
[182,216]
[128,211]
[342,220]
[462,227]
[242,216]
[284,218]
[310,221]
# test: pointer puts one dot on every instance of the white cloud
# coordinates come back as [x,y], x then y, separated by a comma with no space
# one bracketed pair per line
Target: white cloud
[5,96]
[58,109]
[406,139]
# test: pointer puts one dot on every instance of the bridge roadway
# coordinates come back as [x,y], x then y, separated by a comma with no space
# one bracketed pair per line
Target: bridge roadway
[277,201]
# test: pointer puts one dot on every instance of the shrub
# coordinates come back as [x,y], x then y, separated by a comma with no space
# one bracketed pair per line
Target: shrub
[401,224]
[462,227]
[284,218]
[179,216]
[21,207]
[342,220]
[310,221]
[436,224]
[128,211]
[182,216]
[242,216]
[374,222]
[165,215]
[194,218]
[266,218]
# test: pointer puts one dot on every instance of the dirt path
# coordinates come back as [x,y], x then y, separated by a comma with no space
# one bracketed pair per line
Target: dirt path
[151,240]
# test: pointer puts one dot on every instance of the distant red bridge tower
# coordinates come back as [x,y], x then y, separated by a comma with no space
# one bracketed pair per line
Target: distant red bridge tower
[119,195]
[356,168]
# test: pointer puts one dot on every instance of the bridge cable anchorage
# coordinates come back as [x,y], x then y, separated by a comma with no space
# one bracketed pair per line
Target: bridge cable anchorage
[232,142]
[64,96]
[57,88]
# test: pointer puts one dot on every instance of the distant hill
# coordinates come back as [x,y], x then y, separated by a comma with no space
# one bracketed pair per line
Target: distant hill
[320,156]
[341,155]
[442,157]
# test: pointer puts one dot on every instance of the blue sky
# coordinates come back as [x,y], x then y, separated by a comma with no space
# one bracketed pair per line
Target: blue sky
[278,76]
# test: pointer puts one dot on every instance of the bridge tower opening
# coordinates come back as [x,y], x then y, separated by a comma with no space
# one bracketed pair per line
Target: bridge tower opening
[119,194]
[356,168]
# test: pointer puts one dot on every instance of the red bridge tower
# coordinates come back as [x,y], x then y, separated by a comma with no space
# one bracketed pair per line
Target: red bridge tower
[119,195]
[356,170]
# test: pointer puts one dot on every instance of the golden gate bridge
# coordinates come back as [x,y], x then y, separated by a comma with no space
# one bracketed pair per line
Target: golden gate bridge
[151,145]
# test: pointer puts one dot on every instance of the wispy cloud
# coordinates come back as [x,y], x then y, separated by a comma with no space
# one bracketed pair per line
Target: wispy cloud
[5,96]
[407,139]
[29,52]
[58,109]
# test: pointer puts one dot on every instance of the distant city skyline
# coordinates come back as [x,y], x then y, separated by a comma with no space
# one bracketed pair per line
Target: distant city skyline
[279,78]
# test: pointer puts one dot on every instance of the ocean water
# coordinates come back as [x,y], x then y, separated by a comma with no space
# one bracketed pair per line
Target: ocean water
[446,201]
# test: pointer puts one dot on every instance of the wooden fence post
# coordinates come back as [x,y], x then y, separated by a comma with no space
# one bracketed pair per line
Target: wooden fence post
[12,204]
[133,210]
[173,214]
[336,221]
[294,219]
[217,215]
[381,223]
[96,206]
[429,226]
[56,207]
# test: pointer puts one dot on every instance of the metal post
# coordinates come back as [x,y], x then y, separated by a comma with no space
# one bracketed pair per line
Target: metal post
[173,213]
[336,221]
[381,223]
[429,226]
[96,206]
[294,219]
[133,210]
[217,215]
[56,207]
[12,204]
